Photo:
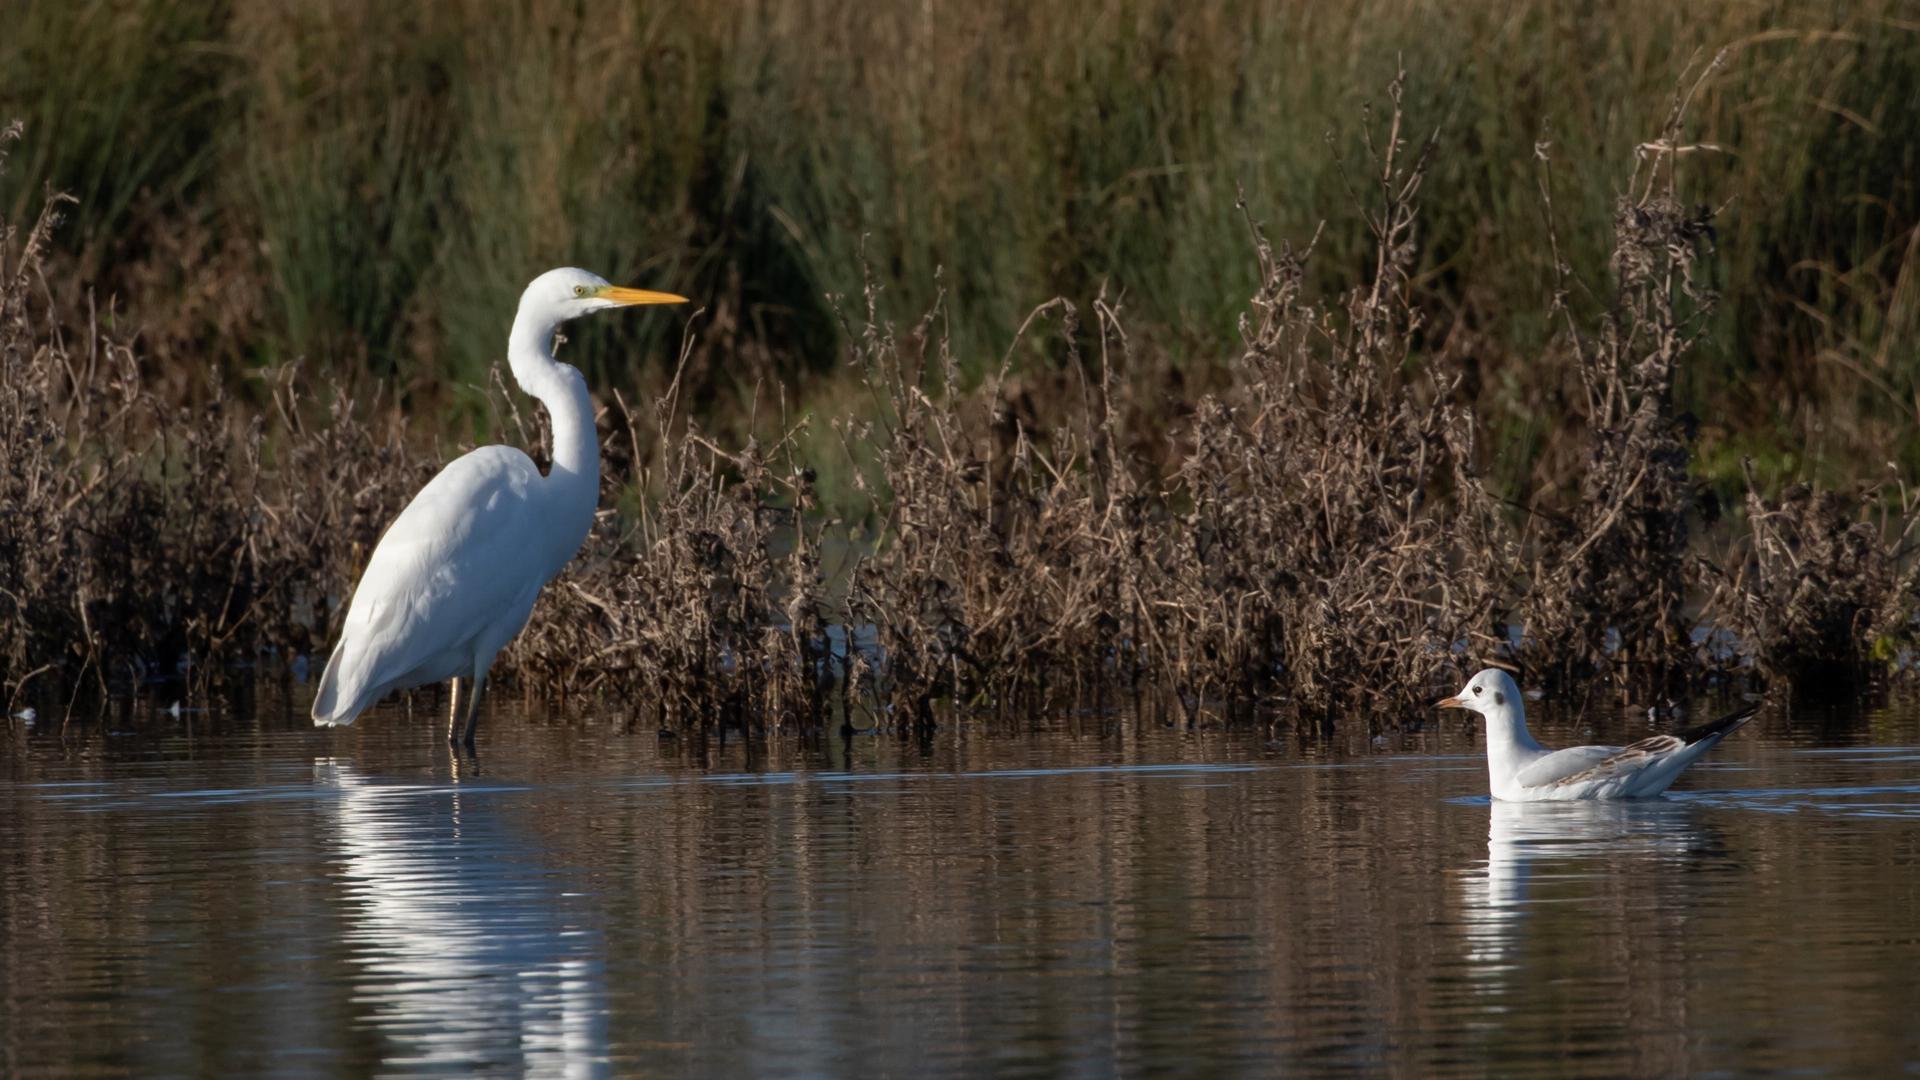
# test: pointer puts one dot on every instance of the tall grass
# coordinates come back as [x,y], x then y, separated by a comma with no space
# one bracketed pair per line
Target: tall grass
[393,174]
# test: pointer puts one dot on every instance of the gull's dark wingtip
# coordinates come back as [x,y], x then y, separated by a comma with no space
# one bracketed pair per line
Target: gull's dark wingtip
[1716,729]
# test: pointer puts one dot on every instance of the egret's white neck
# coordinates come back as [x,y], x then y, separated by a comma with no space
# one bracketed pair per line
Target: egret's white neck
[575,476]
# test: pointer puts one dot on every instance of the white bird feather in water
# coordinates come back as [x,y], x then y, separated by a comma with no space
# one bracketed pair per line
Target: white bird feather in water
[1521,770]
[456,575]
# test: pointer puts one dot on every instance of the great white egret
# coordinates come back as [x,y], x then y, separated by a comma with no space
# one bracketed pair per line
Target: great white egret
[1521,770]
[455,576]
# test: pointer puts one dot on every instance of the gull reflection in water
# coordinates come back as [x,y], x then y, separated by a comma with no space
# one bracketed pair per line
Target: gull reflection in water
[464,956]
[1568,841]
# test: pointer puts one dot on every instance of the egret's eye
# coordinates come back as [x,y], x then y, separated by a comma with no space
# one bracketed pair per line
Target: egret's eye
[1476,689]
[579,290]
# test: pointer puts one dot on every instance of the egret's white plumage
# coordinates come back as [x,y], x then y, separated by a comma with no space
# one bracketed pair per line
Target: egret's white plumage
[1521,770]
[457,573]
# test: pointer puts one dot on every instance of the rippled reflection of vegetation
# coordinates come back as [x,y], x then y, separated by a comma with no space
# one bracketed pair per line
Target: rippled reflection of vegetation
[1094,897]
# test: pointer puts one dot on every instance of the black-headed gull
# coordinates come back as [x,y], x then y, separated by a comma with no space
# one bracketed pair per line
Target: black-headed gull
[1521,770]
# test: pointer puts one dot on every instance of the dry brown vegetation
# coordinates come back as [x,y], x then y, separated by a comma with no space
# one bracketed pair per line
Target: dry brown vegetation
[142,541]
[1823,586]
[1320,539]
[1610,573]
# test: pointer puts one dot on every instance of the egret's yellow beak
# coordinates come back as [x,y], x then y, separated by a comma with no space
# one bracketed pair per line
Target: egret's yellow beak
[1450,703]
[623,295]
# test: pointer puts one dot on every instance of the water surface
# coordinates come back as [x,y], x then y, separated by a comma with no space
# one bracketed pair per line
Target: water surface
[207,896]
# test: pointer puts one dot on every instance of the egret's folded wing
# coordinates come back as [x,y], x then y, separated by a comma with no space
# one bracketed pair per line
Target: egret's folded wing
[447,566]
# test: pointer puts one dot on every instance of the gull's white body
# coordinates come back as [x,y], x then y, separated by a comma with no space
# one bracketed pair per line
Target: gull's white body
[457,573]
[1521,770]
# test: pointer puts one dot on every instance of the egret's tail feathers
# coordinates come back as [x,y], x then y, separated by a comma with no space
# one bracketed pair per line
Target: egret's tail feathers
[335,704]
[1714,730]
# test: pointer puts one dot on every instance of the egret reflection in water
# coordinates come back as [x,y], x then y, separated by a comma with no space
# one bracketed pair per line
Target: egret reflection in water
[460,935]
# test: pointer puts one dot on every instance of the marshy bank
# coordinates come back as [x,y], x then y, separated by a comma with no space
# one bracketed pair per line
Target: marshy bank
[1311,530]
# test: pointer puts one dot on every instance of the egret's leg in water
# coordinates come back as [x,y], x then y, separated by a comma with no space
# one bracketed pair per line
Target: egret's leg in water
[454,716]
[473,707]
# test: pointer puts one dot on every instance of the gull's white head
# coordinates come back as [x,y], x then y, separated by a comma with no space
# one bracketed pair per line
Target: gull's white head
[1490,693]
[569,292]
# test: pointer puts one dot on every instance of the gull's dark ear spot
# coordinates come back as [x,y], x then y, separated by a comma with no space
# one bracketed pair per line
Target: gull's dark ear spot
[1499,698]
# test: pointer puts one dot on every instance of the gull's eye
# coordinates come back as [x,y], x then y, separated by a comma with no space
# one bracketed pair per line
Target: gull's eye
[1476,689]
[579,290]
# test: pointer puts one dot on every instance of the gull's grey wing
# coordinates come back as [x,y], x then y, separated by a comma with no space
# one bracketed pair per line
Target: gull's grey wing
[1636,757]
[1627,760]
[1562,764]
[1586,764]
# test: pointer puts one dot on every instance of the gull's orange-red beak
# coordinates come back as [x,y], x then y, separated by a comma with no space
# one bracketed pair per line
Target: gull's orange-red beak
[1450,703]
